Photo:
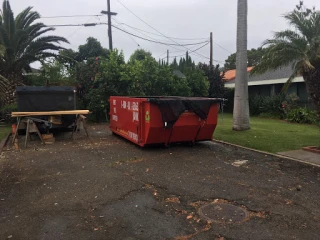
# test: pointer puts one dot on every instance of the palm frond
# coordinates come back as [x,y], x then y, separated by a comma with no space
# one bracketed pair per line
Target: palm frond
[22,39]
[20,19]
[296,71]
[298,20]
[30,18]
[9,24]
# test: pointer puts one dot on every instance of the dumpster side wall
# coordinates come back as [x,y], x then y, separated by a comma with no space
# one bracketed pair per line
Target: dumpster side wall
[140,121]
[125,118]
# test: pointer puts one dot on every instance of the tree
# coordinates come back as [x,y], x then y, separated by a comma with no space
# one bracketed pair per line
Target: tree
[299,48]
[91,49]
[140,55]
[53,73]
[216,83]
[254,58]
[22,43]
[101,79]
[241,118]
[197,81]
[174,64]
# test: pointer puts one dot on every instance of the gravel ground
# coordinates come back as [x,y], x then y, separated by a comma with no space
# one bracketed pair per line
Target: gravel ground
[107,188]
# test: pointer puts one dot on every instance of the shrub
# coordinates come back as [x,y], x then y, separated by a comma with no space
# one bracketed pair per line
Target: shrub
[302,115]
[256,105]
[13,107]
[275,106]
[271,106]
[229,96]
[6,110]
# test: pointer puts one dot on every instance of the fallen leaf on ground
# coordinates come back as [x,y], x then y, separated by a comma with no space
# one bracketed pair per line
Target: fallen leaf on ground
[147,170]
[189,216]
[239,163]
[173,200]
[95,229]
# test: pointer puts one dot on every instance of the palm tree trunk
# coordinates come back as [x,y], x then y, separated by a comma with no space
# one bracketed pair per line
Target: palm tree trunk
[312,80]
[241,118]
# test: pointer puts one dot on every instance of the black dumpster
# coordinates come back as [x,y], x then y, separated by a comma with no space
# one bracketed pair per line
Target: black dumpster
[43,99]
[39,99]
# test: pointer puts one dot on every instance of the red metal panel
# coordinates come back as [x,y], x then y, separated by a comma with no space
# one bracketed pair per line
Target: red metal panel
[140,122]
[125,118]
[206,132]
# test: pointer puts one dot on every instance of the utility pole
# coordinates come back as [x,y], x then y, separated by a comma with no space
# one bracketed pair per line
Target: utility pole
[109,13]
[168,57]
[211,50]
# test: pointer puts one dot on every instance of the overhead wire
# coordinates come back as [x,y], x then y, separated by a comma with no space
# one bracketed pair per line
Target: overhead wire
[123,30]
[222,47]
[79,28]
[158,31]
[150,40]
[73,16]
[140,30]
[132,38]
[190,52]
[173,47]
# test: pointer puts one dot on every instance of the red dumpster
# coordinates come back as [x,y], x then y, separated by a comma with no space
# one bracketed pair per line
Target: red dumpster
[163,120]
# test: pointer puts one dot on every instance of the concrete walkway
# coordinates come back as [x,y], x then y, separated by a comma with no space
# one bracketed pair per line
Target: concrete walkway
[302,155]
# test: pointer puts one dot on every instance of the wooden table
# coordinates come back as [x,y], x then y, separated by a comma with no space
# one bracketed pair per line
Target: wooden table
[28,118]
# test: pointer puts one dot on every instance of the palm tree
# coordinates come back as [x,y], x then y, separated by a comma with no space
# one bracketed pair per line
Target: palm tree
[21,43]
[299,48]
[241,118]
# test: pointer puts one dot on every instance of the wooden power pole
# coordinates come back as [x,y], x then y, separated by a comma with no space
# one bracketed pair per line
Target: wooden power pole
[109,13]
[168,56]
[211,50]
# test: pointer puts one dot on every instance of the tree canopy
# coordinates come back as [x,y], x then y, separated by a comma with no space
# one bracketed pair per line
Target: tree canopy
[298,47]
[140,55]
[254,57]
[22,42]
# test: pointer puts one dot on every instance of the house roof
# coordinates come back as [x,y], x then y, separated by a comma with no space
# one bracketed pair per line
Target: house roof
[231,74]
[280,75]
[178,73]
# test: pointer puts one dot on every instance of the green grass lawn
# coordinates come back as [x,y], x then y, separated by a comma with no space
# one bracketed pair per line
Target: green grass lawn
[268,134]
[4,131]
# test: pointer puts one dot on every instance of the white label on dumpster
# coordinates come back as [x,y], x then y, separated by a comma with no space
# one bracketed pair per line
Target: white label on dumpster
[114,102]
[133,136]
[115,110]
[136,116]
[115,118]
[128,105]
[135,106]
[124,104]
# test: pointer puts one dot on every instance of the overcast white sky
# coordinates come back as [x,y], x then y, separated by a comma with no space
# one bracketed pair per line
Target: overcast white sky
[174,18]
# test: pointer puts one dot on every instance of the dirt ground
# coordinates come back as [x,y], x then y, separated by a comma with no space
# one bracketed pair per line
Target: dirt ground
[107,188]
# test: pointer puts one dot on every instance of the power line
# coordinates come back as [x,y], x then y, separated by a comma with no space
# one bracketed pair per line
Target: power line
[75,25]
[192,52]
[151,37]
[162,54]
[222,47]
[73,16]
[138,29]
[168,44]
[132,38]
[79,28]
[120,29]
[157,30]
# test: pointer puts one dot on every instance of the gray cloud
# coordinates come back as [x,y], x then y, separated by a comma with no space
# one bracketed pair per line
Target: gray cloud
[178,18]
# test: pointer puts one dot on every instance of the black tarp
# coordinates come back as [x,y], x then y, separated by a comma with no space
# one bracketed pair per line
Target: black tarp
[43,99]
[39,99]
[172,107]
